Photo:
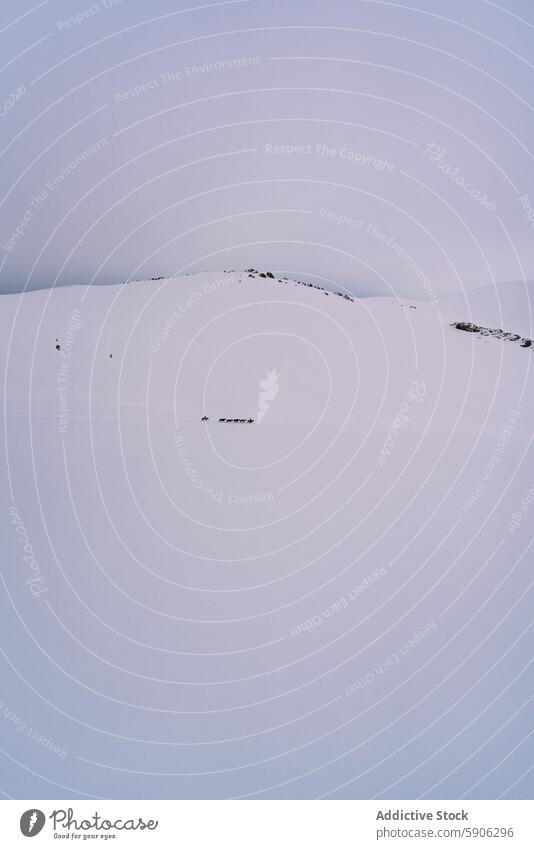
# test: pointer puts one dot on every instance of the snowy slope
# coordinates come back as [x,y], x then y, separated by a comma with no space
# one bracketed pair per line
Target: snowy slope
[509,306]
[331,601]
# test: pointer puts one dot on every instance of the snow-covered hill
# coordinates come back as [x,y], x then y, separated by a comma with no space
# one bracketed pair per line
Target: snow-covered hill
[332,599]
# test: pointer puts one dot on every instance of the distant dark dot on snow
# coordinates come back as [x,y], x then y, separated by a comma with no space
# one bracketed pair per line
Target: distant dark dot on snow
[58,347]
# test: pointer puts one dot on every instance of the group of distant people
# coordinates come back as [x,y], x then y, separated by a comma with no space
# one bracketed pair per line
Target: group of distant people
[238,421]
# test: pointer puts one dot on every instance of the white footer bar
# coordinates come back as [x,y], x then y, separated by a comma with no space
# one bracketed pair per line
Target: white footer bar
[269,824]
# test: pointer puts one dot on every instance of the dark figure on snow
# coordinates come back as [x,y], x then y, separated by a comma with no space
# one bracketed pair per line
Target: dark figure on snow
[204,419]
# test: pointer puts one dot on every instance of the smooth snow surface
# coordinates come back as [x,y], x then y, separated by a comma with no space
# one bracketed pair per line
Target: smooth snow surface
[332,601]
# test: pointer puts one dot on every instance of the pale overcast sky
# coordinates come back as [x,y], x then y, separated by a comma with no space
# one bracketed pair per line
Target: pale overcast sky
[372,144]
